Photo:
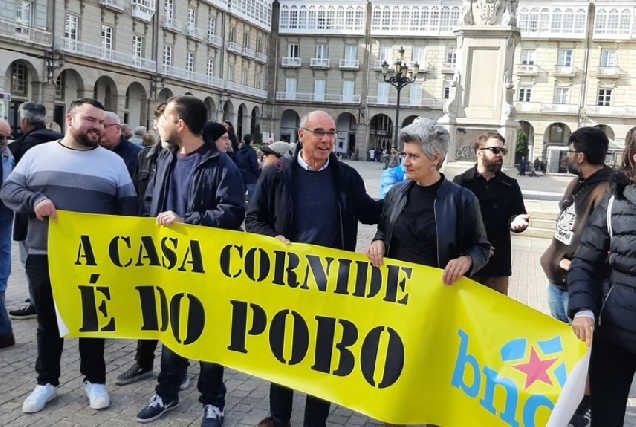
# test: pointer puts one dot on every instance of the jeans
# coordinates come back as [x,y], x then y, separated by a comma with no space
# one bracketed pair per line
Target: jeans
[5,322]
[24,252]
[280,404]
[210,383]
[6,226]
[558,302]
[250,191]
[50,345]
[612,369]
[145,356]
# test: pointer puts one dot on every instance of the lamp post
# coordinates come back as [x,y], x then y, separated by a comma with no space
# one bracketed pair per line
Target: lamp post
[399,77]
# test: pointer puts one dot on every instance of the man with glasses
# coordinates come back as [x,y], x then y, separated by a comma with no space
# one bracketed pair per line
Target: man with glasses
[6,222]
[114,140]
[502,208]
[313,198]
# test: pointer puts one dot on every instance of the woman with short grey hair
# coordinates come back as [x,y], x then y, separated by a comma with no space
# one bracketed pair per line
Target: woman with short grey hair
[428,219]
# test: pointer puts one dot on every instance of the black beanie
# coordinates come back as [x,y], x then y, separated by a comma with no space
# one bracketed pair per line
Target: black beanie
[213,130]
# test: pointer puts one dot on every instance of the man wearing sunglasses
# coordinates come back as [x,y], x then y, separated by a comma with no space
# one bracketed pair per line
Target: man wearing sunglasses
[502,208]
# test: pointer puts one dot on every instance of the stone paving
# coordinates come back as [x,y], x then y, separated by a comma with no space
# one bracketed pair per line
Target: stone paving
[247,401]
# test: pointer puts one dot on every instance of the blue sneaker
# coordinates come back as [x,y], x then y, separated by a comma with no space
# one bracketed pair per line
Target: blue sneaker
[155,409]
[212,416]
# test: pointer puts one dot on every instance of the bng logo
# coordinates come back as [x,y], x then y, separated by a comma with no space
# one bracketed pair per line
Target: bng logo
[538,362]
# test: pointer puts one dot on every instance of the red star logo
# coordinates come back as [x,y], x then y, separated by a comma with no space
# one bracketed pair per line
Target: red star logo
[536,369]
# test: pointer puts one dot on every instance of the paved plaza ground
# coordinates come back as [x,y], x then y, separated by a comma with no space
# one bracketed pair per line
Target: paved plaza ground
[247,401]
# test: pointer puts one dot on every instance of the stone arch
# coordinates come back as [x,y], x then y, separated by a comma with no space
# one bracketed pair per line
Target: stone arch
[22,81]
[557,134]
[289,124]
[346,126]
[228,111]
[408,120]
[69,85]
[164,95]
[555,143]
[188,94]
[381,132]
[211,106]
[105,91]
[608,131]
[242,121]
[526,129]
[255,119]
[136,108]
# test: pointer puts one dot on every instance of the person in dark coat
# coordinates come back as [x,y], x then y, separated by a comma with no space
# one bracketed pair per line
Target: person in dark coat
[248,165]
[231,133]
[113,140]
[523,166]
[501,205]
[602,287]
[34,132]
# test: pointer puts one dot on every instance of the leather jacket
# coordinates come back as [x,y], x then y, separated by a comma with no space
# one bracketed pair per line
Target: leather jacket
[460,230]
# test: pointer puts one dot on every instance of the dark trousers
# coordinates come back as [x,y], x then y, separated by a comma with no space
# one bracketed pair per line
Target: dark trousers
[210,383]
[612,369]
[145,356]
[47,365]
[280,404]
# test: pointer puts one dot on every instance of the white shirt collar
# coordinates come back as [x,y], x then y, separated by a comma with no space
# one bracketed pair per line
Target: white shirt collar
[303,164]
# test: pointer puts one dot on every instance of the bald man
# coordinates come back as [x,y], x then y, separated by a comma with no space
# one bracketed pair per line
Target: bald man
[6,224]
[113,140]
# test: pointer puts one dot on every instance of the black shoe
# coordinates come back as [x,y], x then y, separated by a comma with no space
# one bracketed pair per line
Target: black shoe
[212,416]
[26,312]
[583,415]
[132,374]
[273,422]
[155,409]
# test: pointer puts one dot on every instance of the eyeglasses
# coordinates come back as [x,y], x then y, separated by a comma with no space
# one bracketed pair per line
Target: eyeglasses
[4,137]
[107,125]
[496,150]
[573,151]
[322,132]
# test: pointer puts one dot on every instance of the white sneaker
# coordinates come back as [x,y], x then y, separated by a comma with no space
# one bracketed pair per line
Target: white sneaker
[37,400]
[97,395]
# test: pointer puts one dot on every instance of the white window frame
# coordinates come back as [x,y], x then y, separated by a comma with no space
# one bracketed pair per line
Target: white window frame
[348,90]
[291,87]
[24,13]
[528,56]
[244,77]
[168,9]
[230,72]
[211,27]
[190,62]
[451,55]
[525,94]
[604,97]
[320,87]
[232,34]
[322,51]
[137,46]
[386,54]
[608,58]
[561,95]
[293,50]
[167,55]
[351,52]
[415,95]
[565,57]
[210,67]
[384,92]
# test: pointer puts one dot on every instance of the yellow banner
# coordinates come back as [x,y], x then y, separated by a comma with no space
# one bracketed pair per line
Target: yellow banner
[392,342]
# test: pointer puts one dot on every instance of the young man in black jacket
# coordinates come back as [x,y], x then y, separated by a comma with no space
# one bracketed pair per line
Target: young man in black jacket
[501,205]
[194,184]
[287,197]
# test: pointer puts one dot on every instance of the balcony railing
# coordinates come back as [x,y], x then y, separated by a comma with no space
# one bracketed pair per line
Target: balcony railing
[349,64]
[560,108]
[171,24]
[141,11]
[449,68]
[377,64]
[527,70]
[25,33]
[181,74]
[234,47]
[608,72]
[192,31]
[382,100]
[319,63]
[215,40]
[528,107]
[84,49]
[564,70]
[313,97]
[261,57]
[117,5]
[423,102]
[249,53]
[291,62]
[246,90]
[606,111]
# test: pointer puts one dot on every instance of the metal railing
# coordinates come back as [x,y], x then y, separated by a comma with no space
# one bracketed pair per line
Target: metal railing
[382,100]
[612,72]
[76,47]
[319,63]
[248,52]
[527,70]
[353,64]
[313,97]
[215,40]
[171,24]
[291,61]
[141,11]
[261,57]
[191,30]
[560,108]
[564,70]
[528,107]
[115,4]
[25,33]
[180,73]
[234,47]
[606,111]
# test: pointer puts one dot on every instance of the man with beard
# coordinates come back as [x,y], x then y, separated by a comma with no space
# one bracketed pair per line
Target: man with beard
[502,208]
[586,159]
[84,177]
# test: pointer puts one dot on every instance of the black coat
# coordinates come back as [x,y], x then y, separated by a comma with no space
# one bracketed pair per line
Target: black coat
[500,201]
[19,147]
[247,163]
[587,282]
[459,228]
[145,169]
[216,192]
[270,212]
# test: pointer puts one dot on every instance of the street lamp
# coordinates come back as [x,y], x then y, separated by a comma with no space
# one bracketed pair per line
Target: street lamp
[399,77]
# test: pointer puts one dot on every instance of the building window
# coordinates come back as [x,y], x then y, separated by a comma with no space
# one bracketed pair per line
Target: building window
[564,58]
[528,56]
[608,58]
[210,67]
[351,53]
[291,84]
[107,38]
[211,28]
[230,73]
[383,92]
[319,90]
[419,55]
[259,45]
[451,55]
[71,27]
[348,89]
[59,86]
[562,95]
[23,13]
[167,56]
[244,76]
[416,94]
[137,46]
[386,54]
[613,21]
[322,51]
[604,97]
[168,9]
[190,62]
[19,78]
[246,40]
[293,51]
[192,19]
[447,90]
[258,80]
[233,34]
[525,94]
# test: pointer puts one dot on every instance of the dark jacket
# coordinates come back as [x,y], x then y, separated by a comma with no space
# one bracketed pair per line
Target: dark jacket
[19,147]
[579,201]
[248,164]
[145,169]
[216,193]
[616,312]
[270,212]
[460,230]
[500,201]
[129,152]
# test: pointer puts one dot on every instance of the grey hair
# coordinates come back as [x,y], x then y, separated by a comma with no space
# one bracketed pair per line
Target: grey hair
[432,136]
[113,116]
[33,112]
[305,118]
[140,130]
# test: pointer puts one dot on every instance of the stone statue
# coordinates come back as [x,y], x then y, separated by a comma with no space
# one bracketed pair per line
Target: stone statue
[450,106]
[466,16]
[490,11]
[510,15]
[509,110]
